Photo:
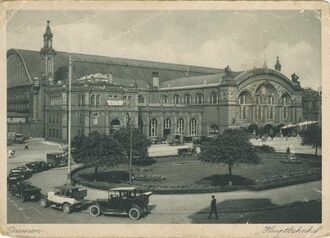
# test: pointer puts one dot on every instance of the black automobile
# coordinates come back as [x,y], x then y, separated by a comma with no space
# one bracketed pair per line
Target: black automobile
[37,166]
[13,179]
[25,191]
[122,201]
[23,171]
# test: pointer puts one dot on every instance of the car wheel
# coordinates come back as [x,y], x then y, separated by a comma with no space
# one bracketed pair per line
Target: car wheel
[94,210]
[43,203]
[66,208]
[23,197]
[134,213]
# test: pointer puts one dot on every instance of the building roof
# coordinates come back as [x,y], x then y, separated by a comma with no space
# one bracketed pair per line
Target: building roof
[126,71]
[201,80]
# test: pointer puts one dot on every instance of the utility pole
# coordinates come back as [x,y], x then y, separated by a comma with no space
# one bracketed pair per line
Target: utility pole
[130,124]
[69,123]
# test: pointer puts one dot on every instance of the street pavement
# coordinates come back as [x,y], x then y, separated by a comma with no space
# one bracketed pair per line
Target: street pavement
[235,207]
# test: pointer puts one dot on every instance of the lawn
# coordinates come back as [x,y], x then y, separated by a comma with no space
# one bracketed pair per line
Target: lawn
[187,171]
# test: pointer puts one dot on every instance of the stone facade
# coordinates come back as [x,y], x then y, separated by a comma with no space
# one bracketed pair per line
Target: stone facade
[160,99]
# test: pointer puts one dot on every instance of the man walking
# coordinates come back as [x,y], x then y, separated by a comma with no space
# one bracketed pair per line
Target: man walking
[213,207]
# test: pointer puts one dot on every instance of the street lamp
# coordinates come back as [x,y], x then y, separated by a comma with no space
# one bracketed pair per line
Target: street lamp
[130,124]
[69,122]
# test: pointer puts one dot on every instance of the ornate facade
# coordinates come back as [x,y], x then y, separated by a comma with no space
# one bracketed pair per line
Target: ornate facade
[160,98]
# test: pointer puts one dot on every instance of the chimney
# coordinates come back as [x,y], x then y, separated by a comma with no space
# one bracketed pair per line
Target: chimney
[155,80]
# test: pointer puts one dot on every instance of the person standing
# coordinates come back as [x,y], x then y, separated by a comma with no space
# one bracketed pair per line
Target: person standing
[26,146]
[213,207]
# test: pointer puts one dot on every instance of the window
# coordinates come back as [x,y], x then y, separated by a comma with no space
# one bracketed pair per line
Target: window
[80,100]
[271,115]
[177,99]
[153,127]
[199,98]
[187,99]
[167,124]
[81,118]
[97,100]
[193,127]
[140,99]
[95,118]
[213,98]
[165,99]
[93,100]
[180,126]
[285,113]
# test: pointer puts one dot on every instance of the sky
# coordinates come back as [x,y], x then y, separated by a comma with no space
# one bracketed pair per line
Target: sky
[241,39]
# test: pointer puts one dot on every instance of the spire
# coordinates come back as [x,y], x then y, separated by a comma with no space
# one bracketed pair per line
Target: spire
[48,38]
[278,65]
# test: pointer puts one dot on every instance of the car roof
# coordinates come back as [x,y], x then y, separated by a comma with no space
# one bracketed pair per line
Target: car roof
[123,189]
[66,187]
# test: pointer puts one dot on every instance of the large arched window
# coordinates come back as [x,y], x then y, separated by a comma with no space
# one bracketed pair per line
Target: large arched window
[193,127]
[286,102]
[244,100]
[177,99]
[199,98]
[49,66]
[187,99]
[180,126]
[213,98]
[153,127]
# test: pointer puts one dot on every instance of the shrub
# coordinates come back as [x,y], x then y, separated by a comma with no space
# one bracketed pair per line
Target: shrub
[264,149]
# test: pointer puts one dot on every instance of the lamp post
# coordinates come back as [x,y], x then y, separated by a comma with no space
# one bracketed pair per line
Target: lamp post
[130,124]
[69,123]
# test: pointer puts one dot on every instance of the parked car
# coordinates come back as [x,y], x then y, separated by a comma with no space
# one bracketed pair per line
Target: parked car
[25,191]
[19,138]
[23,171]
[187,151]
[13,179]
[57,159]
[66,197]
[175,139]
[123,200]
[37,166]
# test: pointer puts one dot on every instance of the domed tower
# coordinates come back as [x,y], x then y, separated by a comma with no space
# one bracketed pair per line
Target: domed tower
[47,54]
[278,65]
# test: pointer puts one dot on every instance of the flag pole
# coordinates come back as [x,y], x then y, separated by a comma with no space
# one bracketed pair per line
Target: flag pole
[69,122]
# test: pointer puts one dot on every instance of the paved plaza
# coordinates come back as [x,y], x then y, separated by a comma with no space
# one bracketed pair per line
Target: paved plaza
[238,206]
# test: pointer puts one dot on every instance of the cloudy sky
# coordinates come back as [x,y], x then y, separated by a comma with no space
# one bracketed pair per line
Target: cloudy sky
[241,39]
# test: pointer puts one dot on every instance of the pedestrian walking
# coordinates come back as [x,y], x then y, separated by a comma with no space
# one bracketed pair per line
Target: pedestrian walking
[213,207]
[26,146]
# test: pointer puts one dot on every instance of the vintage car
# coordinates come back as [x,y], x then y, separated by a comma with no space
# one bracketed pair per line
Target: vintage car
[25,191]
[175,139]
[66,197]
[37,166]
[23,171]
[57,159]
[122,201]
[13,179]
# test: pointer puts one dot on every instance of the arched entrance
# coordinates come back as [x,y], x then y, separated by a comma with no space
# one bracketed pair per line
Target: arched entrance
[115,125]
[254,129]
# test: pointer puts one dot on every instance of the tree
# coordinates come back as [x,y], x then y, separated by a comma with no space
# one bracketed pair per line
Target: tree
[312,136]
[97,150]
[140,143]
[232,147]
[61,74]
